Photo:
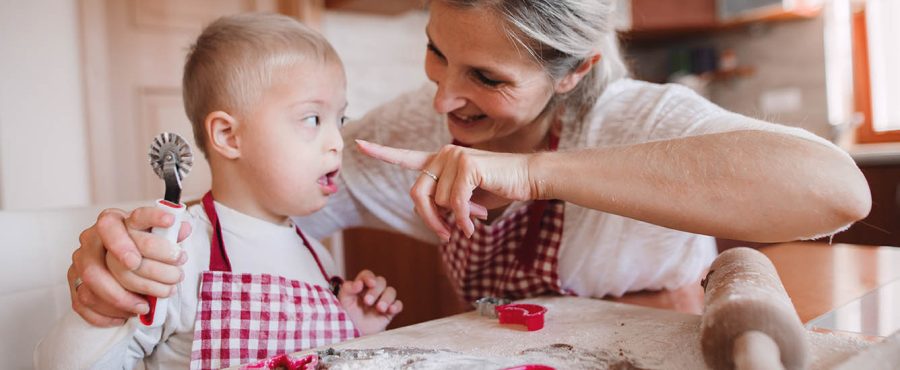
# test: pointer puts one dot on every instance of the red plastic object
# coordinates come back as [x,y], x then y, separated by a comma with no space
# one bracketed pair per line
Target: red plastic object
[309,362]
[530,315]
[530,367]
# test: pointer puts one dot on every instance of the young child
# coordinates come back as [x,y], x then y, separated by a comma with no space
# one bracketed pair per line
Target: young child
[266,98]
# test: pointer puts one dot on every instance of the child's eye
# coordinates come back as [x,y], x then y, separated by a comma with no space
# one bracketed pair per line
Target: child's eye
[312,121]
[344,120]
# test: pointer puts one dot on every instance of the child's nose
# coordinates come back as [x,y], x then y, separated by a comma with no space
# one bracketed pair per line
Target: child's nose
[333,140]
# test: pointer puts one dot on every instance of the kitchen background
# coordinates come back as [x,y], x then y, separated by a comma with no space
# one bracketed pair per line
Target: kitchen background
[86,84]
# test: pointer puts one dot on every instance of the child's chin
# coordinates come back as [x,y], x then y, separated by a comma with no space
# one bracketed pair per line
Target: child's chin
[309,208]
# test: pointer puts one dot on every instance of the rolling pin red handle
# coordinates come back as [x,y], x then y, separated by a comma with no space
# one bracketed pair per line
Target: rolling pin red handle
[754,350]
[157,314]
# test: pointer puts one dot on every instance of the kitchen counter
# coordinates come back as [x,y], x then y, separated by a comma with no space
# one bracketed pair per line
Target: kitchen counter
[818,277]
[578,333]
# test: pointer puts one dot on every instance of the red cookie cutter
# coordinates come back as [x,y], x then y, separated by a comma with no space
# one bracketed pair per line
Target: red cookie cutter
[530,367]
[530,315]
[285,361]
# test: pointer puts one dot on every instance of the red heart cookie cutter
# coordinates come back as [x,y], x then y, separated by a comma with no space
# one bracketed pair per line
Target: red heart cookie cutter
[530,315]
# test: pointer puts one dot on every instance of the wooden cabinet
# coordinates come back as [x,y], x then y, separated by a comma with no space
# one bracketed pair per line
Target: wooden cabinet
[650,15]
[414,268]
[756,10]
[882,226]
[659,19]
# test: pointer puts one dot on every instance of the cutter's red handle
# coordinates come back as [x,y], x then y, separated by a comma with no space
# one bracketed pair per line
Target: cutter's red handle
[158,306]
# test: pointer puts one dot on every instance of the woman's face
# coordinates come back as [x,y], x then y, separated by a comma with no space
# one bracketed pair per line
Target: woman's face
[489,89]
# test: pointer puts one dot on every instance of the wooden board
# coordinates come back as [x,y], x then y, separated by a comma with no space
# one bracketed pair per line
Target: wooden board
[647,338]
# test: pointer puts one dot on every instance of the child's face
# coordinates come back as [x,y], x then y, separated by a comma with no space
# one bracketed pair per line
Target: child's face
[290,141]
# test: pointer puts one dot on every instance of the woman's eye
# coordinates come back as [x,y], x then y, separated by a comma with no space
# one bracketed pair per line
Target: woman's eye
[486,81]
[311,121]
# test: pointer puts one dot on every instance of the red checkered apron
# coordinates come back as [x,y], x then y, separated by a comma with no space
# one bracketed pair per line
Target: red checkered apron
[246,317]
[514,257]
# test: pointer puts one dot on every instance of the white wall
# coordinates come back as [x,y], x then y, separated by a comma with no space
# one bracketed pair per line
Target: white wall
[43,149]
[383,55]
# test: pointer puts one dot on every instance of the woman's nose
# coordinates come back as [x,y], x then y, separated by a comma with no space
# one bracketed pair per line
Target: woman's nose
[448,97]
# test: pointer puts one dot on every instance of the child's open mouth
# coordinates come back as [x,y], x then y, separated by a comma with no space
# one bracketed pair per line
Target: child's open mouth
[327,182]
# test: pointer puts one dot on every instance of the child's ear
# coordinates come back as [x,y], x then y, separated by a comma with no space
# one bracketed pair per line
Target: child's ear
[221,131]
[571,80]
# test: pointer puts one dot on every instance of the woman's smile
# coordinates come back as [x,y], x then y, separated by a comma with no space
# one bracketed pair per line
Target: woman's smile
[466,121]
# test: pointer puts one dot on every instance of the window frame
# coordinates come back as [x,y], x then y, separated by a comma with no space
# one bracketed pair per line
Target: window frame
[862,88]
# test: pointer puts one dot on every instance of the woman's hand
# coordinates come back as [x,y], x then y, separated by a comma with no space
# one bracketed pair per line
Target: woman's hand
[462,180]
[369,302]
[145,263]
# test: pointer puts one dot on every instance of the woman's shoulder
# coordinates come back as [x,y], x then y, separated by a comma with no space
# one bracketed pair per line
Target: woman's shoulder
[407,121]
[631,111]
[628,93]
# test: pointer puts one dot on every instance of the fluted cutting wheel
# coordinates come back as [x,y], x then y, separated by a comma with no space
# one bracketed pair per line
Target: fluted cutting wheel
[170,147]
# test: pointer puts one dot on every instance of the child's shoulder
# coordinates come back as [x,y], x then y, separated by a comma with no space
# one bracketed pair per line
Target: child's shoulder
[198,240]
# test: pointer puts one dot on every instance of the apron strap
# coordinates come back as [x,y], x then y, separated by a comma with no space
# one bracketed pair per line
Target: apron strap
[527,252]
[218,259]
[315,255]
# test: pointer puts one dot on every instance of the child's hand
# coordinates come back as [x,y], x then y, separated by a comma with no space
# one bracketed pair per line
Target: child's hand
[370,303]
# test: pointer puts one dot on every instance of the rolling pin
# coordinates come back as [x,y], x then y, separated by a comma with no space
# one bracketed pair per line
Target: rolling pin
[748,320]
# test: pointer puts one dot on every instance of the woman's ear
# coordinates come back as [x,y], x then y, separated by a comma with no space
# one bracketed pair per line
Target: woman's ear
[573,78]
[221,131]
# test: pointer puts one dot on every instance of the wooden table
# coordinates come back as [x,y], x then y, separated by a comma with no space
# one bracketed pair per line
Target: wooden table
[818,277]
[605,333]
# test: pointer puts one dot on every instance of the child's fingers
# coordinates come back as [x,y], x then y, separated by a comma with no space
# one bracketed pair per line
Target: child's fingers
[158,248]
[136,283]
[364,275]
[160,272]
[395,308]
[374,290]
[350,289]
[387,298]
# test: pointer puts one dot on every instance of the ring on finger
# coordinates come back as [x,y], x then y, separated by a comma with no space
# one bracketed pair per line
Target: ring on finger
[77,283]
[429,174]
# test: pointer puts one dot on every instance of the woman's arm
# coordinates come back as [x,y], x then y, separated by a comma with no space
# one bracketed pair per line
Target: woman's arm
[745,185]
[748,185]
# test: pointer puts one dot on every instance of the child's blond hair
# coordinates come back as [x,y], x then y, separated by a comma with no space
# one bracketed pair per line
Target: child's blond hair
[235,59]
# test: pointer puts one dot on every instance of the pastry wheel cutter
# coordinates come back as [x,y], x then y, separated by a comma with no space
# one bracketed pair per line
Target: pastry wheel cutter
[171,160]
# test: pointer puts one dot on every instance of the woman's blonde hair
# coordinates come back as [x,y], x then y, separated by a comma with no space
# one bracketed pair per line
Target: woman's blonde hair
[560,35]
[235,59]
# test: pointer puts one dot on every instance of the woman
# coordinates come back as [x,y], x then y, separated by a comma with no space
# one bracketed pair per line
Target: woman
[596,184]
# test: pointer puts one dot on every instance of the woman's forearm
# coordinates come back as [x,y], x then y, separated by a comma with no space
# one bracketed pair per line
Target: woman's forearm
[744,185]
